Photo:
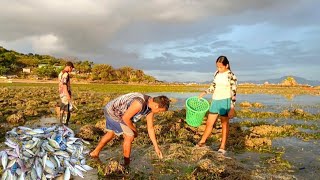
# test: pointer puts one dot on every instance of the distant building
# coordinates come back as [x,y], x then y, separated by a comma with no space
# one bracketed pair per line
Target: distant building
[42,65]
[12,76]
[26,70]
[58,67]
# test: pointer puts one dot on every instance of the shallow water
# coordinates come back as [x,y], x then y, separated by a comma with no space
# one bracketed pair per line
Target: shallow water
[274,103]
[278,122]
[304,155]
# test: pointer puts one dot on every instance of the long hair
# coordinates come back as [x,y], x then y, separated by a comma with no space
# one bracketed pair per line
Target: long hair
[224,60]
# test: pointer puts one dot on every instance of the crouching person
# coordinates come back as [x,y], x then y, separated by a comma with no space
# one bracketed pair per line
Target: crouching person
[121,114]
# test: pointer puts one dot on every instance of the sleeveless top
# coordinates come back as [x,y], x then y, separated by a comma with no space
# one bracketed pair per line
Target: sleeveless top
[117,107]
[64,79]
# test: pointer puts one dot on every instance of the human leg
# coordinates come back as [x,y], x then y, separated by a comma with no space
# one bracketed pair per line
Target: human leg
[104,140]
[127,148]
[68,114]
[64,110]
[209,125]
[225,131]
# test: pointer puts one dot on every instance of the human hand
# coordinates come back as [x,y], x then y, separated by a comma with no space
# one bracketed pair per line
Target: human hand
[159,153]
[201,95]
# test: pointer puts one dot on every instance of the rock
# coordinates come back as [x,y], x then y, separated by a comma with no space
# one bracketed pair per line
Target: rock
[90,132]
[30,112]
[245,104]
[285,113]
[298,112]
[16,118]
[257,105]
[101,125]
[114,167]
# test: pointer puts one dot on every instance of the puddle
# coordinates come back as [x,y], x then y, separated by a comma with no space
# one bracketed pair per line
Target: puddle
[304,156]
[252,160]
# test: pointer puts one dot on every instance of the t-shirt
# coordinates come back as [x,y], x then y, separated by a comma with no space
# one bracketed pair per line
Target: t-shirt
[224,85]
[64,79]
[223,90]
[117,107]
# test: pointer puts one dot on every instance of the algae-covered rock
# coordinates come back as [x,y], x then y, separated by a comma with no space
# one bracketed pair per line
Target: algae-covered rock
[245,104]
[257,105]
[101,125]
[17,118]
[90,132]
[257,143]
[114,168]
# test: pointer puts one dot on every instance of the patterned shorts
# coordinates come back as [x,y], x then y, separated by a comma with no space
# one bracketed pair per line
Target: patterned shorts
[117,127]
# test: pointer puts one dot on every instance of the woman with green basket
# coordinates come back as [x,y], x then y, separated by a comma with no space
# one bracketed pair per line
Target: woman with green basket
[224,88]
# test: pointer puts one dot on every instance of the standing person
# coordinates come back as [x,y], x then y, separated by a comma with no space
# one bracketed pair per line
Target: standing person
[121,114]
[224,88]
[65,93]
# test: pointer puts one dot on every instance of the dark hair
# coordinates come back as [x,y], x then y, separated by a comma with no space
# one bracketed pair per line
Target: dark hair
[163,101]
[70,64]
[224,60]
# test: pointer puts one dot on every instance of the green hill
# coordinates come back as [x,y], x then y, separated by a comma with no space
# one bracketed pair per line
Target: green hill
[46,66]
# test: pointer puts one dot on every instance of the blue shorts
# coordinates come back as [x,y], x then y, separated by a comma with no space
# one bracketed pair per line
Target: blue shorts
[117,127]
[221,107]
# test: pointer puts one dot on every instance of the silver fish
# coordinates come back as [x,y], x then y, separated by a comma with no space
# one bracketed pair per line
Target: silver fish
[62,153]
[67,174]
[49,164]
[86,167]
[80,168]
[4,159]
[54,143]
[24,128]
[22,176]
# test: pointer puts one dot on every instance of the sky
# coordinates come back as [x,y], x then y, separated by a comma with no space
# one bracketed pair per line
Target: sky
[176,40]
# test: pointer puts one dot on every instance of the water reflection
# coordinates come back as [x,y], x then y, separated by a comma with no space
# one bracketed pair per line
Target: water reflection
[271,101]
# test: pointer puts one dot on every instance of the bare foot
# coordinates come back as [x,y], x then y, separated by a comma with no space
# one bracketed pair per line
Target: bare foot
[92,154]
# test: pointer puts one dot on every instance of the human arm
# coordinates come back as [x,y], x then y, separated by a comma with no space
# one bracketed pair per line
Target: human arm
[211,88]
[233,86]
[65,80]
[133,109]
[152,134]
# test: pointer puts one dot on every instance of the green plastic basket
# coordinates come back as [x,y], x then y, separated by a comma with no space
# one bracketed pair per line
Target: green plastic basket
[196,110]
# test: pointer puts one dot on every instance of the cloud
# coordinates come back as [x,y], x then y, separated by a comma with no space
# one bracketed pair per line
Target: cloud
[163,35]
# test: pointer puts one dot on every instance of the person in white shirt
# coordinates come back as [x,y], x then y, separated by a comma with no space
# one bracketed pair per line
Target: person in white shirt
[223,88]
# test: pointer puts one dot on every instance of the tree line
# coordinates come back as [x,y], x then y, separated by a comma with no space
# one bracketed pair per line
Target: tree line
[45,66]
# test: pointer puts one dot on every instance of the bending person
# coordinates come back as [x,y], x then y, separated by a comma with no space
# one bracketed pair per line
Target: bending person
[121,114]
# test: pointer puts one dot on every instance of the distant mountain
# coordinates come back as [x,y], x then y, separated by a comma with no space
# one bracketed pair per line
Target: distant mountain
[300,80]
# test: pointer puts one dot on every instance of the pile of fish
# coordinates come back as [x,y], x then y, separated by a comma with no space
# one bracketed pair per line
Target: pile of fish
[43,153]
